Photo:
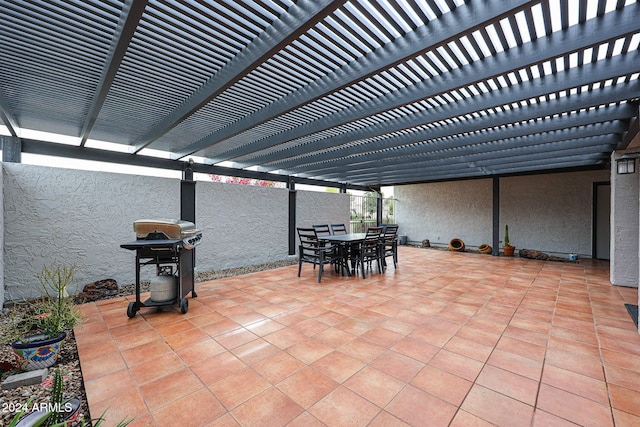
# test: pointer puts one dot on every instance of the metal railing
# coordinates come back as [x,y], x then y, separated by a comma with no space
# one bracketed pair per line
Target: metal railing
[364,210]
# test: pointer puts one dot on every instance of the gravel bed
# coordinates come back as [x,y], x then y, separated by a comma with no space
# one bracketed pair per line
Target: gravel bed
[68,361]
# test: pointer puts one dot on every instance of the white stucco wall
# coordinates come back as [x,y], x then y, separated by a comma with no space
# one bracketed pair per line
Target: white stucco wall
[625,212]
[551,213]
[82,217]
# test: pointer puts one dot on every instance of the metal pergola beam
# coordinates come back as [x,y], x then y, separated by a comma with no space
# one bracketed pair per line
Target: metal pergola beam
[466,19]
[591,33]
[299,18]
[131,13]
[7,117]
[415,145]
[32,146]
[577,138]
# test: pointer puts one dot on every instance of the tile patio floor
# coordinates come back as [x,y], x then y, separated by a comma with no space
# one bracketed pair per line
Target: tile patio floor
[446,339]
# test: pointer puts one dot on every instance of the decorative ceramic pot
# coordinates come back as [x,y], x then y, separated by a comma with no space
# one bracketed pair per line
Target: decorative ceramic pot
[37,351]
[508,250]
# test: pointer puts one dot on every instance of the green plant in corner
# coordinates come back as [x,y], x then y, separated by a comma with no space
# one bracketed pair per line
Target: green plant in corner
[51,314]
[507,242]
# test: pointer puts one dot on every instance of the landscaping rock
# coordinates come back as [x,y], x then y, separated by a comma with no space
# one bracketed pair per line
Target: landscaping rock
[98,290]
[533,254]
[24,378]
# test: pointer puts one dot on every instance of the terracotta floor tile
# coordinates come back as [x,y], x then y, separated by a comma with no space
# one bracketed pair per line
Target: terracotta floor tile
[441,384]
[338,366]
[624,419]
[342,407]
[545,419]
[278,366]
[572,407]
[417,408]
[576,363]
[457,364]
[572,346]
[416,349]
[397,365]
[235,338]
[581,385]
[239,387]
[530,321]
[517,364]
[469,348]
[309,351]
[496,408]
[200,350]
[285,338]
[385,419]
[382,337]
[188,410]
[184,339]
[374,385]
[624,399]
[165,390]
[270,408]
[465,419]
[512,385]
[128,406]
[307,386]
[109,386]
[362,350]
[155,368]
[522,348]
[254,351]
[104,365]
[265,327]
[623,377]
[217,367]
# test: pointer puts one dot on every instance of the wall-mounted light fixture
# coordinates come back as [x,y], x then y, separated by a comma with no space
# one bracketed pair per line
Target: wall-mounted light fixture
[626,165]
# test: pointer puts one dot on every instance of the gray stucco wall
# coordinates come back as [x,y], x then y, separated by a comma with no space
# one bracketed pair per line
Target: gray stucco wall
[625,211]
[551,213]
[82,217]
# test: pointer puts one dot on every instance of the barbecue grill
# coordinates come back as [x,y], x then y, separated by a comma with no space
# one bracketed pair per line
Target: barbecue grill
[168,246]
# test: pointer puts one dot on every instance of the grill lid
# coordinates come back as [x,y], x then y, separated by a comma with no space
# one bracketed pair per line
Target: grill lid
[172,228]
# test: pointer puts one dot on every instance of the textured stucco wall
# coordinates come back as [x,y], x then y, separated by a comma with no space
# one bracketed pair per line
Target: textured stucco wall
[322,208]
[445,210]
[625,211]
[241,225]
[76,217]
[550,213]
[82,217]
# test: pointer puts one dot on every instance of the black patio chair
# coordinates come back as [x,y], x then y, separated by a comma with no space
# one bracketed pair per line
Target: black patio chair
[389,244]
[322,229]
[313,252]
[369,251]
[338,229]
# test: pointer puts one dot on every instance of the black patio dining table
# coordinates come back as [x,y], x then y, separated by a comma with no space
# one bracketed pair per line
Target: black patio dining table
[346,245]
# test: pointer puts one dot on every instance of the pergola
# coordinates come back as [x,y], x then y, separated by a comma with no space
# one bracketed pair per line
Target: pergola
[352,94]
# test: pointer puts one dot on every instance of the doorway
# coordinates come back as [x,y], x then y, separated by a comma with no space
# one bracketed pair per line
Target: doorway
[601,220]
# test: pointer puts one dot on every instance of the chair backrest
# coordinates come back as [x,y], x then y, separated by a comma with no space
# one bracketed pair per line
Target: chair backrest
[374,232]
[390,231]
[338,229]
[308,237]
[322,229]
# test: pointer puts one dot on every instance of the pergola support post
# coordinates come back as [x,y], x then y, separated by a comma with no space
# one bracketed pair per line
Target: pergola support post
[496,217]
[292,216]
[11,149]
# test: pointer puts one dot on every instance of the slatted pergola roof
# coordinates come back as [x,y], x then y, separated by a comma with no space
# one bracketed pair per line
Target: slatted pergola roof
[363,92]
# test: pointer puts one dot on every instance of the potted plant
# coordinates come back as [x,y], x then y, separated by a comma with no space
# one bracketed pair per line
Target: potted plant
[37,332]
[507,248]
